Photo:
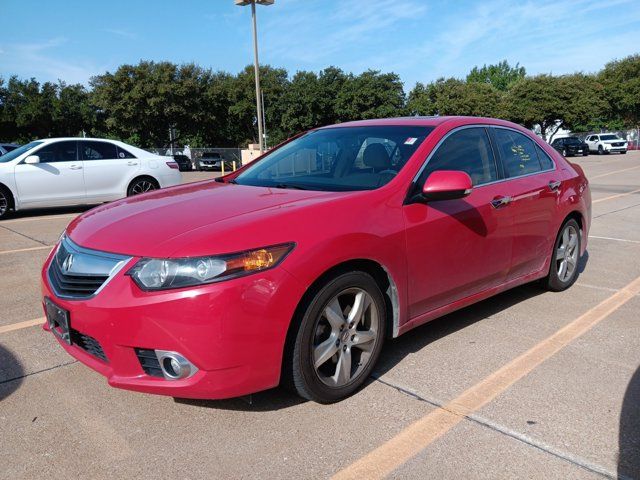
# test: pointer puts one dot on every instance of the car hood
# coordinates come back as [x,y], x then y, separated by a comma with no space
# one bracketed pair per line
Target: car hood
[155,224]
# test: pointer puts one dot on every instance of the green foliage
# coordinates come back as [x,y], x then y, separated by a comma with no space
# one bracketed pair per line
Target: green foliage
[140,103]
[455,97]
[500,76]
[550,103]
[370,95]
[621,82]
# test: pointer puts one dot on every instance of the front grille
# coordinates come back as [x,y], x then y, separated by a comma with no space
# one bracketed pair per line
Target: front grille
[77,286]
[76,272]
[88,344]
[618,144]
[149,362]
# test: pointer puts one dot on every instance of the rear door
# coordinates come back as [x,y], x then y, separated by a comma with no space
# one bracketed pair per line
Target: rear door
[456,248]
[108,168]
[533,186]
[57,180]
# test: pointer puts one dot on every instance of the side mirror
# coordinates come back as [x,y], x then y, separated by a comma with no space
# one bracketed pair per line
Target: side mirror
[32,159]
[446,185]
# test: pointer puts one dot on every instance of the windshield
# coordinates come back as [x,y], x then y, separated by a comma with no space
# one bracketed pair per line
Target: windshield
[609,137]
[572,140]
[13,154]
[338,159]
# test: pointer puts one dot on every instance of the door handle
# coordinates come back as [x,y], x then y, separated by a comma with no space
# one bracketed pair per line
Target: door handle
[500,202]
[132,164]
[75,167]
[554,185]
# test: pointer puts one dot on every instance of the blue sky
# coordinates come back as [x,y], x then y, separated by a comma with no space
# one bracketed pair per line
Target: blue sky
[420,40]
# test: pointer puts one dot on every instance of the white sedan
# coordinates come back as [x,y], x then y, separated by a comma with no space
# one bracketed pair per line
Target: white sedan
[76,171]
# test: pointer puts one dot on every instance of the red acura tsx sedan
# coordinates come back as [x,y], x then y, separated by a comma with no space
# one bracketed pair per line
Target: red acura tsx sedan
[297,267]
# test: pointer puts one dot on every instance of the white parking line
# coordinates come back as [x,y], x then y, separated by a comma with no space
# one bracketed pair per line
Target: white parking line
[615,239]
[30,249]
[42,217]
[614,172]
[21,325]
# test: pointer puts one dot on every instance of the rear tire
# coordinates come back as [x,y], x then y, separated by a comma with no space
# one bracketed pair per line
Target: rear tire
[339,338]
[565,258]
[142,185]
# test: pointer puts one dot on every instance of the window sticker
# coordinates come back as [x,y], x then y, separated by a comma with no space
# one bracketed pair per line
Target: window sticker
[410,141]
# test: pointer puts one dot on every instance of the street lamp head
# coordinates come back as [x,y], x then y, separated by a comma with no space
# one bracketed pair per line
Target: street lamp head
[244,3]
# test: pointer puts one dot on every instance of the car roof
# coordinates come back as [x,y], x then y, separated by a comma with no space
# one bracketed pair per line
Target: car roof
[427,121]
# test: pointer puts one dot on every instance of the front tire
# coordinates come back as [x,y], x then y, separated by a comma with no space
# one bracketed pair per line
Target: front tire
[563,270]
[6,203]
[339,339]
[600,150]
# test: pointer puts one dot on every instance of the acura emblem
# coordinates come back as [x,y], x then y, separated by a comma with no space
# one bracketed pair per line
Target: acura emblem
[68,262]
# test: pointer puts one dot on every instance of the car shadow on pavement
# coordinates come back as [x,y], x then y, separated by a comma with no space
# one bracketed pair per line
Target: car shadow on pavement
[41,212]
[393,351]
[11,373]
[629,436]
[417,339]
[269,400]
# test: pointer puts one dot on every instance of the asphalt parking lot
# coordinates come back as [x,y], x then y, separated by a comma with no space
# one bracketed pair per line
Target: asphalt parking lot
[528,384]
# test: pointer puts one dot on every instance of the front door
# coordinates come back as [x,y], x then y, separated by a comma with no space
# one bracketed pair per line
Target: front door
[456,248]
[57,180]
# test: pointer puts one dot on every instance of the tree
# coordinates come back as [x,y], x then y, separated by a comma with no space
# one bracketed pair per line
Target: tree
[500,76]
[140,103]
[455,97]
[621,82]
[552,103]
[370,95]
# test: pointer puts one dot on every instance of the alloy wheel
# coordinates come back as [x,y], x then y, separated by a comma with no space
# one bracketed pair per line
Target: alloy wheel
[567,253]
[345,336]
[4,203]
[142,186]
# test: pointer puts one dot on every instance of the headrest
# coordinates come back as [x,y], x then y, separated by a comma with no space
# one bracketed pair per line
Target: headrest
[376,156]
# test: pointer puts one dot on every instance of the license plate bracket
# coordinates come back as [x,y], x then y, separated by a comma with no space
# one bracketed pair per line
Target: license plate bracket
[58,320]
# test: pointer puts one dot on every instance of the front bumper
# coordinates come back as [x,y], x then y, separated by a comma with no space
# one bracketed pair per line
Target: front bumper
[233,332]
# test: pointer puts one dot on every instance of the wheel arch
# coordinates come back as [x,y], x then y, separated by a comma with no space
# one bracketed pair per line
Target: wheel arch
[383,279]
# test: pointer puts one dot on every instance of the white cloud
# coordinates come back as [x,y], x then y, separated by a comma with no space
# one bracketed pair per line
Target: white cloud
[39,60]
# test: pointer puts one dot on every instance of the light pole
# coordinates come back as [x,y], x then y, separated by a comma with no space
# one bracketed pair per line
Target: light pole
[256,65]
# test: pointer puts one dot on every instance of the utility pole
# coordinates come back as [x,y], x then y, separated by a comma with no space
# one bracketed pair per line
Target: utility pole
[256,65]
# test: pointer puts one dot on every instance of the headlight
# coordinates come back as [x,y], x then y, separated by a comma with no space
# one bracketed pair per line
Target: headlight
[162,274]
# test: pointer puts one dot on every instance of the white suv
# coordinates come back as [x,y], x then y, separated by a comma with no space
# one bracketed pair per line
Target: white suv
[76,171]
[606,143]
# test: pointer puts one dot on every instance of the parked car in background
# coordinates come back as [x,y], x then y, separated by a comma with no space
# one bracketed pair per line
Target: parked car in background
[606,143]
[7,147]
[570,146]
[299,266]
[184,163]
[213,161]
[76,171]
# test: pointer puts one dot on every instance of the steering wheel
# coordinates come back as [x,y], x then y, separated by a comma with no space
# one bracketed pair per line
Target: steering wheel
[388,172]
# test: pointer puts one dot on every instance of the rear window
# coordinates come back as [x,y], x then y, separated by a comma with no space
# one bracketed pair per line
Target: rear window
[97,150]
[518,153]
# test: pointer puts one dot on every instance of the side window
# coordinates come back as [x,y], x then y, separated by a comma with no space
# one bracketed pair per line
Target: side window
[122,153]
[58,152]
[97,150]
[518,153]
[545,161]
[468,150]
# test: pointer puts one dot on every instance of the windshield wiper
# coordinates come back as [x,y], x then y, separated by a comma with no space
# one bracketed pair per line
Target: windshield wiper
[288,185]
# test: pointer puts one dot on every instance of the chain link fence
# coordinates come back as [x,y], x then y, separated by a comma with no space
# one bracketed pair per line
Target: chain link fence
[229,155]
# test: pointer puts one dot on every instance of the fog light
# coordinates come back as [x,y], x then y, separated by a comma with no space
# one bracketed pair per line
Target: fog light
[175,366]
